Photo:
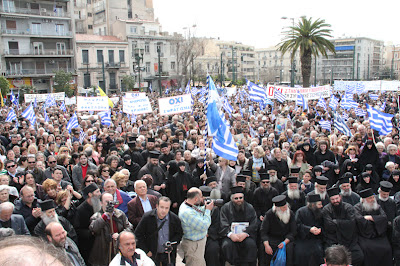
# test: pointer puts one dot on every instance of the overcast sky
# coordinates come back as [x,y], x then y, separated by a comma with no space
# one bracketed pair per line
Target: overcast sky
[259,23]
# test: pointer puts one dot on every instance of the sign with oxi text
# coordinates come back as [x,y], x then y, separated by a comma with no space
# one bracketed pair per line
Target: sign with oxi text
[175,105]
[92,103]
[313,93]
[136,105]
[60,96]
[135,94]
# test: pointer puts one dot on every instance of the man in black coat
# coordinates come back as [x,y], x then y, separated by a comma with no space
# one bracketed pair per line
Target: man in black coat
[278,229]
[320,189]
[294,196]
[154,169]
[83,213]
[156,228]
[348,195]
[396,240]
[28,207]
[262,198]
[388,204]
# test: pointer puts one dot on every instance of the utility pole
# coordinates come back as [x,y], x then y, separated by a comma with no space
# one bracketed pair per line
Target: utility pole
[233,65]
[368,69]
[315,71]
[104,75]
[159,67]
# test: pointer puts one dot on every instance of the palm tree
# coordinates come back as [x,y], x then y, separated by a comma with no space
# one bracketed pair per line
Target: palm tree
[309,37]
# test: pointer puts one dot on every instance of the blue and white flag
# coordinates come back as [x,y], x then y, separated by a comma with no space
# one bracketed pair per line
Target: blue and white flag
[360,87]
[187,90]
[350,89]
[269,102]
[93,138]
[11,116]
[360,112]
[226,105]
[223,143]
[301,101]
[279,96]
[50,101]
[73,123]
[166,91]
[333,103]
[257,94]
[46,117]
[105,118]
[29,114]
[322,103]
[82,136]
[348,102]
[62,107]
[325,124]
[373,96]
[252,132]
[383,106]
[14,99]
[193,91]
[133,119]
[379,121]
[341,126]
[345,116]
[151,89]
[35,103]
[180,90]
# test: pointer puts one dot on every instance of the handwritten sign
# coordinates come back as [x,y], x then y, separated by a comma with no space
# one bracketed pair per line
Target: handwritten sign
[60,96]
[175,105]
[70,101]
[308,93]
[135,94]
[136,105]
[92,103]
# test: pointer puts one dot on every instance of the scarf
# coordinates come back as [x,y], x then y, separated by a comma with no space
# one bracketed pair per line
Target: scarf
[257,162]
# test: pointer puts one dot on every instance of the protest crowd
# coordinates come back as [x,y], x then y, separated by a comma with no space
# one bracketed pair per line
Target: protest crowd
[307,180]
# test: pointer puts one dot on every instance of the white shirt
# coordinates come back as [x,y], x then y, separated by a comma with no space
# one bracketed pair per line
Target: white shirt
[143,261]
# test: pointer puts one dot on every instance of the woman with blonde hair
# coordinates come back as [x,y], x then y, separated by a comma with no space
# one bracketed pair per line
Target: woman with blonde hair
[258,163]
[32,149]
[226,176]
[120,179]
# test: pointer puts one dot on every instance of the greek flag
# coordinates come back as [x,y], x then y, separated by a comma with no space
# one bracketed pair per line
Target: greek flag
[333,103]
[187,90]
[29,114]
[35,103]
[223,143]
[151,89]
[350,89]
[252,132]
[383,107]
[360,87]
[325,124]
[73,123]
[46,117]
[345,116]
[50,101]
[257,94]
[228,108]
[180,90]
[381,122]
[268,101]
[82,136]
[301,101]
[133,119]
[374,96]
[360,112]
[279,96]
[14,99]
[105,118]
[341,126]
[193,91]
[11,116]
[93,138]
[62,107]
[348,102]
[166,91]
[322,103]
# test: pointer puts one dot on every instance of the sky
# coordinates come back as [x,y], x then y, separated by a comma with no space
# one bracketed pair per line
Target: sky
[259,23]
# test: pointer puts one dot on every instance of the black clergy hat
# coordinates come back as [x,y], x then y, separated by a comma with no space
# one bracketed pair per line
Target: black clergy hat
[333,191]
[132,139]
[396,172]
[90,189]
[385,186]
[344,180]
[151,140]
[322,180]
[240,178]
[369,167]
[210,179]
[313,198]
[318,168]
[154,154]
[294,170]
[175,141]
[264,176]
[236,189]
[47,204]
[272,167]
[180,163]
[164,145]
[127,157]
[206,191]
[246,173]
[279,200]
[366,193]
[292,180]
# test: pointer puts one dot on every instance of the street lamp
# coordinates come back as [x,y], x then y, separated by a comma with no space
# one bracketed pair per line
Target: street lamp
[292,68]
[138,58]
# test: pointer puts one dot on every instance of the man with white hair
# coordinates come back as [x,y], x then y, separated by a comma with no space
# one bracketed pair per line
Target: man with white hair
[348,195]
[372,226]
[388,204]
[278,229]
[391,156]
[110,186]
[295,197]
[320,189]
[13,221]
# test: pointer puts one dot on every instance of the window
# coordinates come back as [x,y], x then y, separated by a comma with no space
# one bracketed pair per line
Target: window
[86,80]
[11,24]
[13,48]
[172,65]
[8,6]
[147,47]
[37,48]
[121,56]
[99,56]
[159,46]
[60,29]
[36,28]
[172,49]
[147,67]
[61,48]
[89,14]
[111,56]
[133,29]
[85,56]
[90,27]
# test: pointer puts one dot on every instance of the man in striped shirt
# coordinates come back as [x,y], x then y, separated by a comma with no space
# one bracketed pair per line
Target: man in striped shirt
[195,219]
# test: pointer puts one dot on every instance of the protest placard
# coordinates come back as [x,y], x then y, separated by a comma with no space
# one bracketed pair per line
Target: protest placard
[92,103]
[60,96]
[175,105]
[136,105]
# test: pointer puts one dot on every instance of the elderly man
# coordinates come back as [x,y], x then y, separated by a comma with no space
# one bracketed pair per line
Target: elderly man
[154,169]
[309,248]
[13,221]
[239,230]
[156,228]
[56,235]
[52,163]
[28,207]
[277,229]
[141,204]
[388,204]
[248,193]
[348,195]
[294,196]
[273,179]
[372,225]
[262,198]
[320,189]
[110,186]
[128,253]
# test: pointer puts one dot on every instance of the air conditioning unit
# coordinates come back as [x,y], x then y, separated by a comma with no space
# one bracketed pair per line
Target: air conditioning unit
[52,62]
[43,10]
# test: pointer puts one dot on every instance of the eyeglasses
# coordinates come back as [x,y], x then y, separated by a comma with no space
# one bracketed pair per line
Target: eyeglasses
[52,161]
[31,162]
[265,182]
[10,166]
[89,181]
[104,170]
[238,198]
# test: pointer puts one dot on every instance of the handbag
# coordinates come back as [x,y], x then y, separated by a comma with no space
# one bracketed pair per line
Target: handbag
[279,258]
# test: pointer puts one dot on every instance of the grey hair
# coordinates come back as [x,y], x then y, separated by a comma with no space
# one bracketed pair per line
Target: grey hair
[6,206]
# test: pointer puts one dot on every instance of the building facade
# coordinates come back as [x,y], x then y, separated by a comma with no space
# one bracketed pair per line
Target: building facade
[391,62]
[36,41]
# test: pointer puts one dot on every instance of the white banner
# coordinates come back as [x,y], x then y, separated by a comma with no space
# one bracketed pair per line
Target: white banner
[135,94]
[136,105]
[309,93]
[230,91]
[115,100]
[175,105]
[70,101]
[92,103]
[390,85]
[60,96]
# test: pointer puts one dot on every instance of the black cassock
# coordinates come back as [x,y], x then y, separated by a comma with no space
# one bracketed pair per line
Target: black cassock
[81,225]
[308,247]
[275,232]
[372,236]
[213,239]
[324,201]
[245,251]
[396,240]
[262,200]
[295,204]
[389,207]
[353,199]
[340,228]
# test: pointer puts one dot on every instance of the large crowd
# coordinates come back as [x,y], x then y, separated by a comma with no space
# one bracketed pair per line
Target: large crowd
[130,193]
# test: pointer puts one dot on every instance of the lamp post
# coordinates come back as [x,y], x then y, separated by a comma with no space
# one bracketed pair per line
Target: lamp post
[139,58]
[292,67]
[159,65]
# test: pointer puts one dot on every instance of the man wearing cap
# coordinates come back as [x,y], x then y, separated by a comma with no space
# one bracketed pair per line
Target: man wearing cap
[294,196]
[150,145]
[239,245]
[278,228]
[320,189]
[154,169]
[273,179]
[90,206]
[248,194]
[134,152]
[215,192]
[309,248]
[262,198]
[340,225]
[348,195]
[372,226]
[49,215]
[388,204]
[295,171]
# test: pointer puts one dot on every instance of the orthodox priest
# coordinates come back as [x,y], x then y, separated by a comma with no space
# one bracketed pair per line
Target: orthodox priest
[320,188]
[294,196]
[239,230]
[372,226]
[348,195]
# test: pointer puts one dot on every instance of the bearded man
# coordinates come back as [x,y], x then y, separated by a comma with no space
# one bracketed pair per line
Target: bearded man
[278,229]
[274,180]
[294,196]
[262,199]
[154,169]
[372,226]
[320,189]
[348,195]
[388,204]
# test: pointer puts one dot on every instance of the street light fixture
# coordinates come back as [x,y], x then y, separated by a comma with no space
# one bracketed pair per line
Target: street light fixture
[139,52]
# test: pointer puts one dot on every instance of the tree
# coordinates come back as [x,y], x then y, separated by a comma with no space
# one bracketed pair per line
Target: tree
[62,81]
[309,37]
[4,86]
[129,82]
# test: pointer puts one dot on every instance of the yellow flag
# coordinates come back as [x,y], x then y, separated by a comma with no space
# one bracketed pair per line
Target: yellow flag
[102,93]
[2,102]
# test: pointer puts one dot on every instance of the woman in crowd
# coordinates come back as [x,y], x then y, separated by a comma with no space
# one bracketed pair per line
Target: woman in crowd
[50,189]
[299,160]
[29,180]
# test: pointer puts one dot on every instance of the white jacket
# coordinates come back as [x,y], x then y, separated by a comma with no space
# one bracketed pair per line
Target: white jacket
[143,261]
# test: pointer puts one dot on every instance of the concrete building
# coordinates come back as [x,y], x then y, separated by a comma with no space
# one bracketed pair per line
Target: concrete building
[36,41]
[101,60]
[391,61]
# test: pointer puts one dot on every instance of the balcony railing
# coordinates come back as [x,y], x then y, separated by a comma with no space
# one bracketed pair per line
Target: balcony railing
[27,71]
[113,65]
[46,12]
[49,52]
[36,33]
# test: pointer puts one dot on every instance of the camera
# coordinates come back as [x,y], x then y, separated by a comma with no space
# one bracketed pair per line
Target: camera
[168,246]
[110,206]
[217,202]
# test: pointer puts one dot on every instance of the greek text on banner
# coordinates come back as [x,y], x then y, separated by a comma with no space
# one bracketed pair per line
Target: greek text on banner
[43,97]
[136,105]
[92,103]
[309,93]
[175,105]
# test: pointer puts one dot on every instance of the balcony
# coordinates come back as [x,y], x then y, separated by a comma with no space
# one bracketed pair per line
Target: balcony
[38,53]
[29,33]
[35,72]
[113,65]
[43,12]
[99,7]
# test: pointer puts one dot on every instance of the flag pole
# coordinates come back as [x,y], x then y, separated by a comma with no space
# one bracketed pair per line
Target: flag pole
[206,125]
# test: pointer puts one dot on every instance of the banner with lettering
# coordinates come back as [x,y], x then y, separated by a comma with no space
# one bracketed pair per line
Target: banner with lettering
[92,103]
[136,105]
[70,101]
[313,93]
[60,96]
[175,105]
[135,94]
